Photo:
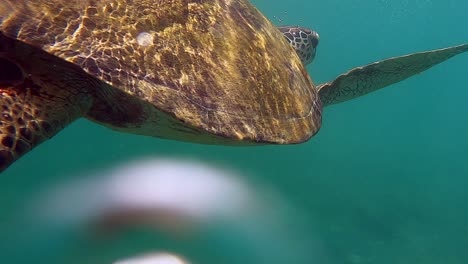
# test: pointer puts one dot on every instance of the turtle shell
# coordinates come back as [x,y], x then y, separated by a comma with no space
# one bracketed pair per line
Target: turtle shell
[216,66]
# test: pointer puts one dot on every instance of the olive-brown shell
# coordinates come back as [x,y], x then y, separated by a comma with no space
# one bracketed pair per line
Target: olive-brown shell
[217,65]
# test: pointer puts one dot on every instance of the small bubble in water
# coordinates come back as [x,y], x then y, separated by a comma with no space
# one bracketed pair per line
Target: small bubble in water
[144,39]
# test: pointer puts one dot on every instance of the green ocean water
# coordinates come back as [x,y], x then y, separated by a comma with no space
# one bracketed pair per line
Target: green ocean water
[384,181]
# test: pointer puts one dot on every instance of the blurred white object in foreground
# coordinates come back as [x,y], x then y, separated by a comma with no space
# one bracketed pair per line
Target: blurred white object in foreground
[158,192]
[154,258]
[230,220]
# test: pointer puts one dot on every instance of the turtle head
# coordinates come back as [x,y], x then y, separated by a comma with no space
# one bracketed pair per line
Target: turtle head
[303,40]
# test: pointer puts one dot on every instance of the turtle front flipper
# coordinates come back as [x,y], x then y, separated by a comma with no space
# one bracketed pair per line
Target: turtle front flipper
[363,80]
[38,98]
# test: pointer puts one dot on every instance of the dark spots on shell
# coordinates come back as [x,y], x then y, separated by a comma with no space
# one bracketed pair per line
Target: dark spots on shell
[88,23]
[244,72]
[8,141]
[7,101]
[17,108]
[7,117]
[10,130]
[21,147]
[15,111]
[169,59]
[34,126]
[37,112]
[91,66]
[25,133]
[27,116]
[113,63]
[43,29]
[46,126]
[108,77]
[91,11]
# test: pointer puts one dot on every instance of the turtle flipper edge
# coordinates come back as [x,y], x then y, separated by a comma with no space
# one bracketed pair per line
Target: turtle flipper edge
[34,104]
[363,80]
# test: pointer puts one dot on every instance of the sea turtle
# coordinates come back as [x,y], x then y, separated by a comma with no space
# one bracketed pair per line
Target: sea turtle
[211,71]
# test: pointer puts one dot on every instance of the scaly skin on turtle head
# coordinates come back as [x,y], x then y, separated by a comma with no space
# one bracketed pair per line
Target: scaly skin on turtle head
[213,71]
[303,40]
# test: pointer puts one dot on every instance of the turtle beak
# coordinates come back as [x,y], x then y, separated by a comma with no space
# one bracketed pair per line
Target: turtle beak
[314,38]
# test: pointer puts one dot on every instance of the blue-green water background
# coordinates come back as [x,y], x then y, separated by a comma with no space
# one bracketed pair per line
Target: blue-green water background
[385,179]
